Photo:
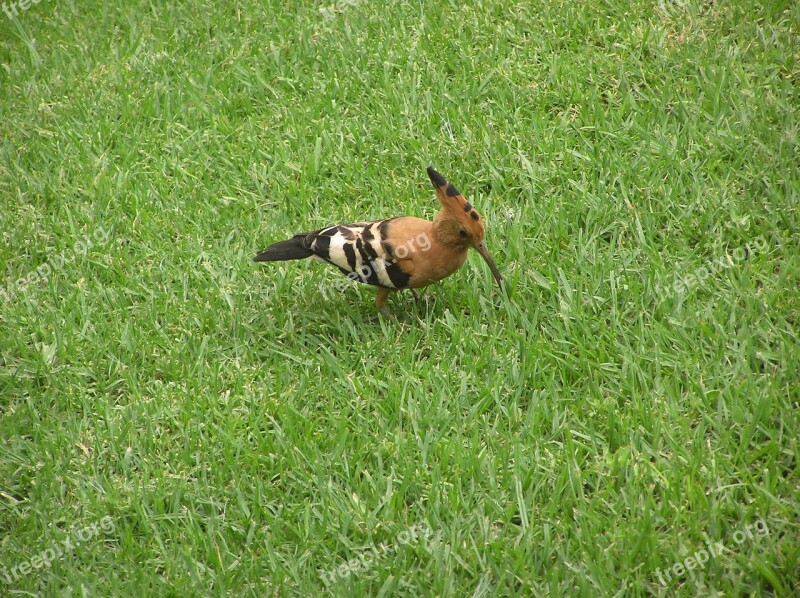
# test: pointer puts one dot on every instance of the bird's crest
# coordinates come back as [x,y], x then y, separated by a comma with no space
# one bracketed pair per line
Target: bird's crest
[455,203]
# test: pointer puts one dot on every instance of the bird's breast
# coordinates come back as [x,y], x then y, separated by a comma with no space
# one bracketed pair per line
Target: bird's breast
[433,266]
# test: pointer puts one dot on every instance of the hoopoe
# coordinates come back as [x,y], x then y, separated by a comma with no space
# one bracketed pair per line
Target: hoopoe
[397,253]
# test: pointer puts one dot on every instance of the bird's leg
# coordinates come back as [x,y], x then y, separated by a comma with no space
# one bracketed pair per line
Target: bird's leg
[414,294]
[380,299]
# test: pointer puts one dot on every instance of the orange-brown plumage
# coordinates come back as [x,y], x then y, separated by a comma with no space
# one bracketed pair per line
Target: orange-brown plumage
[397,253]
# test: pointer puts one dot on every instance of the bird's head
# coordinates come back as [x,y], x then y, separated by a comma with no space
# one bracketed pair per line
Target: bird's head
[458,222]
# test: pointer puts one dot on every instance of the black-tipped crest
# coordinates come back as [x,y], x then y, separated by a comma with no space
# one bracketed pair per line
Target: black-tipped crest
[437,179]
[441,184]
[449,196]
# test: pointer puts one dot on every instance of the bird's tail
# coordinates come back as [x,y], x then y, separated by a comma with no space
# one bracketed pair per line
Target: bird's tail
[291,249]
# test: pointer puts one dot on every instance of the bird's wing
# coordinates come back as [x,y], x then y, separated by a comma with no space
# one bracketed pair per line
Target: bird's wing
[361,252]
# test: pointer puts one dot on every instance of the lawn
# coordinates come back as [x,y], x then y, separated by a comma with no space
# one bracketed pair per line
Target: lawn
[623,418]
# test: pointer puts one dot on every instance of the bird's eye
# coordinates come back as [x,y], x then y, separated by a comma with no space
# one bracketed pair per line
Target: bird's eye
[462,233]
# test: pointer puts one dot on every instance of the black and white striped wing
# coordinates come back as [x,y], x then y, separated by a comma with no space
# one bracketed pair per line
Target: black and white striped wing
[359,251]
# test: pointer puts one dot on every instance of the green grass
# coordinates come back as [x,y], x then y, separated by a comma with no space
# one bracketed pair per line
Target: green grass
[574,436]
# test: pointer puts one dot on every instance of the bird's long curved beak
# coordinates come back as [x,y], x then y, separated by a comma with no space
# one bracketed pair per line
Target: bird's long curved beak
[484,251]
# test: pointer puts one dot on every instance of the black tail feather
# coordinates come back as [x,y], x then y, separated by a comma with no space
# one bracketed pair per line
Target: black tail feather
[291,249]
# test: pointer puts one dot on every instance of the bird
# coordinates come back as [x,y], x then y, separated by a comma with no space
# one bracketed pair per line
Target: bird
[402,252]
